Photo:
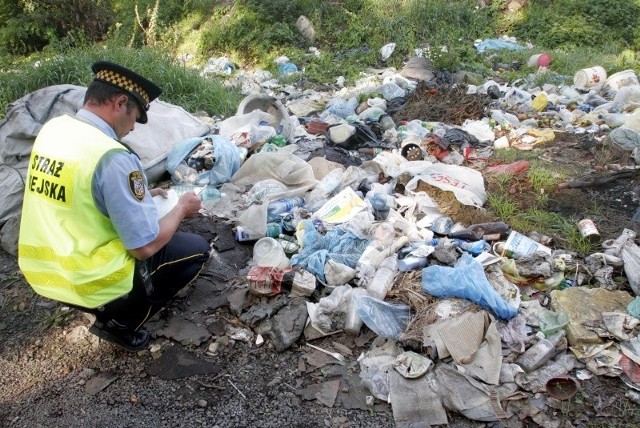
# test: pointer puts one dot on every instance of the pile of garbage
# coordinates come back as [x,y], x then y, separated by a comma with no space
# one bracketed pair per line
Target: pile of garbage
[333,191]
[339,193]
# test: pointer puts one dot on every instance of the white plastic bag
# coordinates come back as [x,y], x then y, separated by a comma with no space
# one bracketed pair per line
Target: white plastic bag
[631,258]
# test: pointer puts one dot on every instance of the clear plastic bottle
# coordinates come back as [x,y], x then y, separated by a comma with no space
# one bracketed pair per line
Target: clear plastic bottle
[382,281]
[353,322]
[282,206]
[537,355]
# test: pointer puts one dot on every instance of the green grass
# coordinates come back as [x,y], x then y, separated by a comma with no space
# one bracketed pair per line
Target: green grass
[182,86]
[503,206]
[542,180]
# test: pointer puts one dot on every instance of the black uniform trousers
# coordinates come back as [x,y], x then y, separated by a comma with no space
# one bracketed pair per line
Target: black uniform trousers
[157,280]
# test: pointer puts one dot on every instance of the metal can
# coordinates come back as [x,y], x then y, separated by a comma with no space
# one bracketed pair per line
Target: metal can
[588,230]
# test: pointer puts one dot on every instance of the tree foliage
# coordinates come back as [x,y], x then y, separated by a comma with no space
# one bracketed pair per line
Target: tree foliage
[575,23]
[31,25]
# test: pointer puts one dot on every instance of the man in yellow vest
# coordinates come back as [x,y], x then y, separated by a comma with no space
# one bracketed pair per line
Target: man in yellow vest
[89,233]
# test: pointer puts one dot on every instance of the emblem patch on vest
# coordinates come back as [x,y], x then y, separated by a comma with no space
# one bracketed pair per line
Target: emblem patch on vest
[136,185]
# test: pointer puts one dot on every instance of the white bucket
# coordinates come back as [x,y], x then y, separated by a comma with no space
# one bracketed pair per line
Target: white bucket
[589,77]
[620,80]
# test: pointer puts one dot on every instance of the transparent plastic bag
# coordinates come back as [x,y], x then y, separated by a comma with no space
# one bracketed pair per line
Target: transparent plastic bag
[263,189]
[385,319]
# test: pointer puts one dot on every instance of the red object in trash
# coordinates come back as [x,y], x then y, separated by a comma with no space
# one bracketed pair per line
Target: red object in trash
[266,281]
[544,60]
[317,127]
[508,168]
[630,368]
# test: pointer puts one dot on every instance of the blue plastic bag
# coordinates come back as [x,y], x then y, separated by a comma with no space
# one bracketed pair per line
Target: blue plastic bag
[228,158]
[337,244]
[382,318]
[497,44]
[466,279]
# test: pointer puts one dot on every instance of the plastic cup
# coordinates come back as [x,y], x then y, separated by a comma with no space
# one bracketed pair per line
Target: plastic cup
[268,252]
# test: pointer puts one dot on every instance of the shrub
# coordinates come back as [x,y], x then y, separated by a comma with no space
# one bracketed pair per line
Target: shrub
[29,26]
[574,23]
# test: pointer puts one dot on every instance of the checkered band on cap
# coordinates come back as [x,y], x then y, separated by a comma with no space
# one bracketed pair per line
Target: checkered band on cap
[123,82]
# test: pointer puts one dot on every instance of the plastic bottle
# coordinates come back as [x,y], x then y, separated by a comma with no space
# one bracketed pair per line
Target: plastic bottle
[353,322]
[474,248]
[278,140]
[386,122]
[380,206]
[537,355]
[410,263]
[382,281]
[282,206]
[210,193]
[487,231]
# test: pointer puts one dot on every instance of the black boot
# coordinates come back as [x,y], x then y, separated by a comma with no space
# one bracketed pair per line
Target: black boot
[121,335]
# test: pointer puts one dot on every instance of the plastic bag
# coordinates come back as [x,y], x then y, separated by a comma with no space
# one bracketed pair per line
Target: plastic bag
[466,279]
[631,258]
[633,308]
[383,318]
[338,245]
[552,322]
[228,158]
[262,190]
[341,107]
[331,311]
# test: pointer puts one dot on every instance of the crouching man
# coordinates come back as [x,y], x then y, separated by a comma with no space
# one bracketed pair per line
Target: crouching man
[89,233]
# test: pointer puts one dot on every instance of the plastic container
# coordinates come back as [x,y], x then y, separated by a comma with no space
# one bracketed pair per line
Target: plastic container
[382,281]
[537,355]
[620,80]
[589,77]
[353,322]
[561,387]
[282,206]
[268,252]
[519,245]
[271,105]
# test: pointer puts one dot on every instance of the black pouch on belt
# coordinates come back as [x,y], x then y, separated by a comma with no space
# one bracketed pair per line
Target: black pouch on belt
[142,270]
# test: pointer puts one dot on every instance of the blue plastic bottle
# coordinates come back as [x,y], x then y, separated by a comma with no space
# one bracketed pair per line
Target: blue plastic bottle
[281,206]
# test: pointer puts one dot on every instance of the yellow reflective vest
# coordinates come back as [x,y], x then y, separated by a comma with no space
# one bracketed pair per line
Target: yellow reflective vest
[67,249]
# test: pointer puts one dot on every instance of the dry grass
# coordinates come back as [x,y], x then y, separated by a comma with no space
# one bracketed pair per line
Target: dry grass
[407,289]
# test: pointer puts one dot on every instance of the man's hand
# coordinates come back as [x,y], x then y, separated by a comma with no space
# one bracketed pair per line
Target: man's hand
[190,204]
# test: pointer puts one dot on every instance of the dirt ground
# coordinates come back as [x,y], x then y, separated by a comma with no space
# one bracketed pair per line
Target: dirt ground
[53,373]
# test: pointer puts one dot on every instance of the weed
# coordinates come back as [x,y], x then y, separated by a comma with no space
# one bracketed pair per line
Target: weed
[502,206]
[59,318]
[542,180]
[505,155]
